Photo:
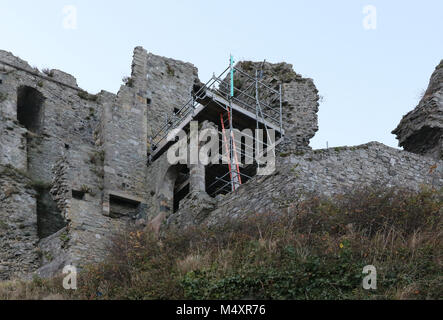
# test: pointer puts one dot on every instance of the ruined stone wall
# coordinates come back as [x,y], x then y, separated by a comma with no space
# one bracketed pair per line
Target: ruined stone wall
[169,86]
[323,172]
[125,144]
[19,254]
[88,231]
[156,87]
[69,115]
[124,140]
[164,85]
[13,144]
[64,154]
[88,156]
[421,130]
[157,187]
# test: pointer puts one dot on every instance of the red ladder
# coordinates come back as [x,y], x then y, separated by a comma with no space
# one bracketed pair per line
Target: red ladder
[236,176]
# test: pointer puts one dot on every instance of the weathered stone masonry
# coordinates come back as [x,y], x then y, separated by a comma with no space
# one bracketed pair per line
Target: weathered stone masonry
[421,130]
[74,167]
[58,142]
[18,233]
[324,172]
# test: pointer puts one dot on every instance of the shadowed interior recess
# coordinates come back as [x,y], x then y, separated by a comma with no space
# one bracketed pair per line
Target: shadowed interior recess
[30,108]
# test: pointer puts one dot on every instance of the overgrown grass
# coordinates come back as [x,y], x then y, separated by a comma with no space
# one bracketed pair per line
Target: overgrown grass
[37,289]
[315,249]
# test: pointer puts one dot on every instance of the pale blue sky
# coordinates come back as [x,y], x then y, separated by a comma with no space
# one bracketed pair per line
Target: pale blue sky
[369,78]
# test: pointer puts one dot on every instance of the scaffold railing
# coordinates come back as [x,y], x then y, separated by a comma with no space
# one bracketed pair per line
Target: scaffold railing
[219,86]
[262,103]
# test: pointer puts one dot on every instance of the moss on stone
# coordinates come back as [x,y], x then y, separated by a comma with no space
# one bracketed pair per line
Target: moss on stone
[3,96]
[285,154]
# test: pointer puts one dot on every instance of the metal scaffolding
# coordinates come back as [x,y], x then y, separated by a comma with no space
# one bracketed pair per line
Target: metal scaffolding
[223,96]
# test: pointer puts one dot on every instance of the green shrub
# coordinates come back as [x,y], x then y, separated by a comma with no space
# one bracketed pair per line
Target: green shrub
[170,70]
[128,81]
[48,72]
[314,249]
[85,189]
[87,96]
[97,157]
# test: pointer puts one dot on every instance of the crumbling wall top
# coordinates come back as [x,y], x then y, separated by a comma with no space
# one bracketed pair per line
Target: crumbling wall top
[299,99]
[421,130]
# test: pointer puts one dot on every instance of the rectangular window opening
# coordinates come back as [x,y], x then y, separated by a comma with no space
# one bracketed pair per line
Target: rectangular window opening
[79,195]
[123,208]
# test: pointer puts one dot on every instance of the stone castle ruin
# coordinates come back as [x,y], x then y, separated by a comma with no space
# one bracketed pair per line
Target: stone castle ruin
[77,168]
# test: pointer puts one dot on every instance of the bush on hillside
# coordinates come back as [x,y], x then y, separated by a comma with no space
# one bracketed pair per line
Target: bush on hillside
[315,249]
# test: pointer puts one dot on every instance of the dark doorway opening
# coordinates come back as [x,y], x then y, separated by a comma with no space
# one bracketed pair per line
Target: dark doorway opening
[181,186]
[30,108]
[123,208]
[49,218]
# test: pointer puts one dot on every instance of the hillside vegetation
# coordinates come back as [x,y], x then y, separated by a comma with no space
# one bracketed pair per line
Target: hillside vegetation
[315,249]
